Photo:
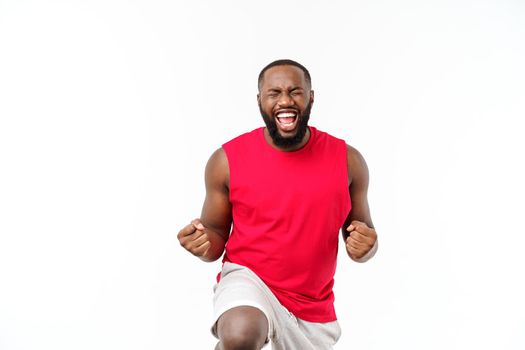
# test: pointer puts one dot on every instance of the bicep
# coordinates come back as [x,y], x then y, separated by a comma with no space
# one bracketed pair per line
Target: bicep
[216,210]
[358,188]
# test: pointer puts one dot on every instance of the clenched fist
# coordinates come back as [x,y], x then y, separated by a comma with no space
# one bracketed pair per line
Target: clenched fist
[194,238]
[361,239]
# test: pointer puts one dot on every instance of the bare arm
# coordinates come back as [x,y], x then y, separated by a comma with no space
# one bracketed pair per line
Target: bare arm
[206,237]
[216,213]
[358,230]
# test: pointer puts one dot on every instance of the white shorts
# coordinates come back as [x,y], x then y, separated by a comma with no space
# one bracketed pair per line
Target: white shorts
[239,286]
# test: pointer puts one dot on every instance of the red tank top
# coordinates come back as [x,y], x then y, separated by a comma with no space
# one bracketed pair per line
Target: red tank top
[287,210]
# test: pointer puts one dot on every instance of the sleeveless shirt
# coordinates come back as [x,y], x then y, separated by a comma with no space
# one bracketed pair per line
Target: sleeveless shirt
[287,210]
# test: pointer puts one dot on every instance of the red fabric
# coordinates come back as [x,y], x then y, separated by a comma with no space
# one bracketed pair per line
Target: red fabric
[287,210]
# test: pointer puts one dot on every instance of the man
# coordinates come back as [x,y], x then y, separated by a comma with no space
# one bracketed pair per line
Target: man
[288,189]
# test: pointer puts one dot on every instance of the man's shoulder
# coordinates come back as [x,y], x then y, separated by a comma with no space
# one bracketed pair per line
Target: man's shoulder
[352,152]
[356,163]
[243,138]
[325,136]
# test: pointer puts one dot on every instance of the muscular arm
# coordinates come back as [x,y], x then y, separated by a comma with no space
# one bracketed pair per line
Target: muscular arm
[360,214]
[216,215]
[206,237]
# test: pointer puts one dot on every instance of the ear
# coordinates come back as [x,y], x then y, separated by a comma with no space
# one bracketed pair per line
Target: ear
[312,96]
[259,99]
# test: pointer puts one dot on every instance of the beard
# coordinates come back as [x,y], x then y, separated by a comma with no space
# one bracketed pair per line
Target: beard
[292,141]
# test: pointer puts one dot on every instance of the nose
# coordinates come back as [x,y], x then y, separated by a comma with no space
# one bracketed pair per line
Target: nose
[285,100]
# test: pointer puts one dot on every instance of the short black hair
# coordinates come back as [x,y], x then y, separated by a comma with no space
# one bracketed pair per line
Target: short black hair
[285,62]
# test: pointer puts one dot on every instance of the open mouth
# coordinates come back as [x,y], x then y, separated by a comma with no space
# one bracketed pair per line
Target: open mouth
[286,119]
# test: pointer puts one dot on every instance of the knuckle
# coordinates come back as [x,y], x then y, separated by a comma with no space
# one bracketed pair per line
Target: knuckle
[198,251]
[195,222]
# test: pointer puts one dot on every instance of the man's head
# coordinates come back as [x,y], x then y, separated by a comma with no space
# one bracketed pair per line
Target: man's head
[285,99]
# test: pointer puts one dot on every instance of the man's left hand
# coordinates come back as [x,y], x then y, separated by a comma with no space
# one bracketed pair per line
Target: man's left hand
[360,240]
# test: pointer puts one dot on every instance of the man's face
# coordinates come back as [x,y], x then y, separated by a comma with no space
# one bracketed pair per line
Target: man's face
[285,100]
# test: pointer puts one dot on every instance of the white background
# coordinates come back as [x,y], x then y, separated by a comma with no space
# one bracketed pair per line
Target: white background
[110,109]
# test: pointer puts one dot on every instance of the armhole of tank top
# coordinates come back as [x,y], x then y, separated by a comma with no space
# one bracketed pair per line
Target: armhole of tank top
[346,176]
[228,160]
[345,155]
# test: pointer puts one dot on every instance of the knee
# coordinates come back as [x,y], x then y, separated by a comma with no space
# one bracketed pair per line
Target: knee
[243,329]
[240,341]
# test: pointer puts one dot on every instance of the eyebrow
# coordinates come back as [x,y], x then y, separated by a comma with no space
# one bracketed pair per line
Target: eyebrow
[276,89]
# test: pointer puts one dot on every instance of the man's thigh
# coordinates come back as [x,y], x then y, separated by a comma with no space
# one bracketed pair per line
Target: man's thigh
[241,287]
[238,295]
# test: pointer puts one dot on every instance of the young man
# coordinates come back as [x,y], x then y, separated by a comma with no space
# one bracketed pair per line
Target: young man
[287,188]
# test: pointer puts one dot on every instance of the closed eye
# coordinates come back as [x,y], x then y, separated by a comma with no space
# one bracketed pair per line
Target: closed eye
[296,91]
[273,93]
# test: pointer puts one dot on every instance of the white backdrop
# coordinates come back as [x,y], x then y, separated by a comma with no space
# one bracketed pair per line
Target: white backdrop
[110,109]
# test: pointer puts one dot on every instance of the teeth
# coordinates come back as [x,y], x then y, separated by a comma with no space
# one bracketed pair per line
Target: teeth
[286,115]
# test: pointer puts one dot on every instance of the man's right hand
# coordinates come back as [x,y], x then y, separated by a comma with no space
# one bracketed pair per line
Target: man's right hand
[195,239]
